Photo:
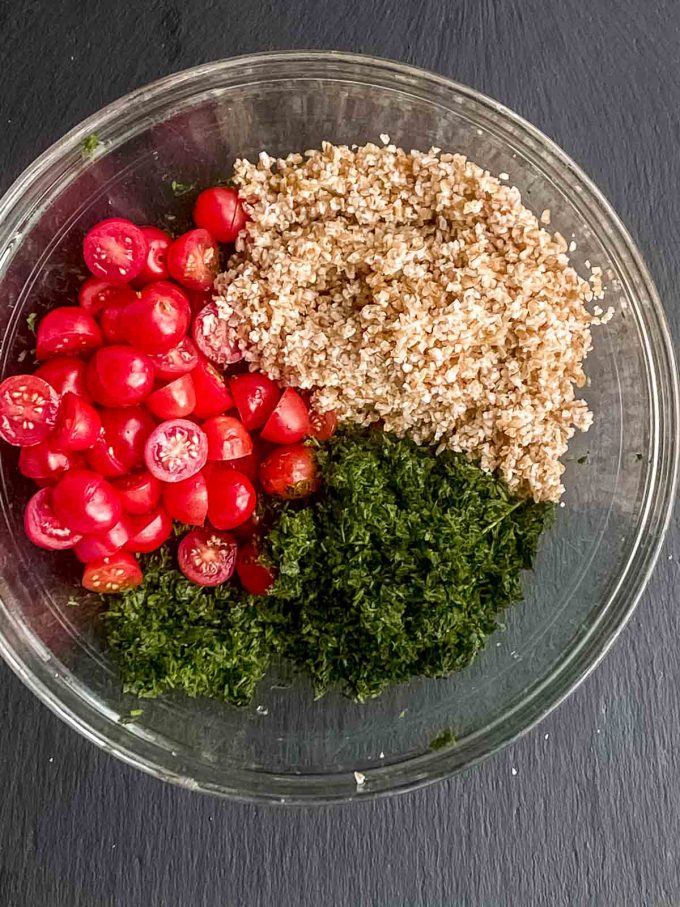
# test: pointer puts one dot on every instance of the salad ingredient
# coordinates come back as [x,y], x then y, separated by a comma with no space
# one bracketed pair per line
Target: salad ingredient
[67,330]
[120,376]
[115,249]
[255,576]
[65,374]
[155,265]
[322,426]
[231,498]
[97,545]
[78,424]
[42,526]
[96,294]
[157,321]
[212,393]
[177,361]
[187,501]
[85,502]
[255,397]
[227,438]
[28,410]
[176,450]
[124,435]
[111,321]
[220,211]
[289,472]
[139,492]
[289,422]
[149,530]
[45,464]
[112,574]
[206,557]
[194,259]
[175,400]
[214,338]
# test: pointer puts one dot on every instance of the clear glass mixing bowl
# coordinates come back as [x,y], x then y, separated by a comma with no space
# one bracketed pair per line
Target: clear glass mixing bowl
[593,565]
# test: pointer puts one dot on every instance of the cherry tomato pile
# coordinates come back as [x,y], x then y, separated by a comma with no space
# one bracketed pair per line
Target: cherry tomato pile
[130,421]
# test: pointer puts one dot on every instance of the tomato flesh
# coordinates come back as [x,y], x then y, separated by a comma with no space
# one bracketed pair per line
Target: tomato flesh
[289,472]
[215,338]
[149,531]
[194,259]
[85,502]
[322,426]
[28,410]
[65,374]
[256,577]
[212,393]
[158,319]
[227,438]
[96,294]
[115,249]
[68,330]
[120,447]
[139,492]
[177,361]
[289,422]
[176,450]
[175,400]
[120,376]
[220,211]
[206,557]
[112,574]
[42,526]
[255,396]
[78,424]
[187,501]
[103,544]
[231,498]
[155,264]
[45,464]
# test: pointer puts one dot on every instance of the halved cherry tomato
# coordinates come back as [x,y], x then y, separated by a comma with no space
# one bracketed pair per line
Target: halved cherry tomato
[256,577]
[115,250]
[215,338]
[187,501]
[78,424]
[65,374]
[85,502]
[103,544]
[194,259]
[42,526]
[212,393]
[28,410]
[101,458]
[120,447]
[252,527]
[290,420]
[120,376]
[199,299]
[248,465]
[290,472]
[67,330]
[227,438]
[175,400]
[158,319]
[178,361]
[255,396]
[220,211]
[111,321]
[139,492]
[112,574]
[176,450]
[155,264]
[149,531]
[231,498]
[96,294]
[206,557]
[322,426]
[45,464]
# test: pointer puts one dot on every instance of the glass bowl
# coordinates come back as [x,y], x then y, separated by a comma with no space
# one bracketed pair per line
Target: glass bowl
[620,477]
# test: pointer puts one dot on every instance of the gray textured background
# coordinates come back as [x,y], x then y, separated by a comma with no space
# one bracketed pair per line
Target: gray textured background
[585,809]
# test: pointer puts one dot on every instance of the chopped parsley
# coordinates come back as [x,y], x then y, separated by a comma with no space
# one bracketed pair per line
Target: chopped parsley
[90,145]
[179,189]
[31,321]
[399,567]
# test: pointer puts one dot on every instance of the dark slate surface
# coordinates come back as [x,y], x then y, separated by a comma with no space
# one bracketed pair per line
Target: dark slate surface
[585,809]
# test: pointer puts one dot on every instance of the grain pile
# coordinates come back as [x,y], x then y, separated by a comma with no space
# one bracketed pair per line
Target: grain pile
[416,289]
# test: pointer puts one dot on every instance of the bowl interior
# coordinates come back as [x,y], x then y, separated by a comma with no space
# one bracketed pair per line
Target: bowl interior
[191,136]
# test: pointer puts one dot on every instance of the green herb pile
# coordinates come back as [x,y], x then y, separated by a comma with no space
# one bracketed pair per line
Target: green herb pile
[399,567]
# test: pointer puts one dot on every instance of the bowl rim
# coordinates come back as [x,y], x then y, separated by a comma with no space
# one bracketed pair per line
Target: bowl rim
[662,476]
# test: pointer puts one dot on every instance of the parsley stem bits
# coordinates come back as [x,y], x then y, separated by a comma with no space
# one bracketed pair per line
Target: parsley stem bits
[176,450]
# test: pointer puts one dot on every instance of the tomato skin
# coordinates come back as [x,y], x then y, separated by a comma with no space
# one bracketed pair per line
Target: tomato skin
[206,557]
[176,450]
[120,376]
[187,501]
[101,458]
[231,498]
[125,432]
[255,396]
[175,400]
[177,361]
[67,330]
[215,338]
[115,249]
[255,576]
[194,259]
[42,526]
[149,531]
[65,374]
[227,438]
[220,211]
[112,574]
[289,422]
[111,321]
[85,502]
[155,264]
[103,544]
[289,472]
[78,424]
[212,393]
[28,410]
[322,426]
[139,493]
[158,319]
[44,463]
[95,295]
